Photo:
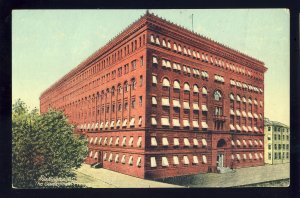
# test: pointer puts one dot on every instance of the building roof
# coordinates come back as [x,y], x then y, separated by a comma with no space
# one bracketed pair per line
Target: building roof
[268,122]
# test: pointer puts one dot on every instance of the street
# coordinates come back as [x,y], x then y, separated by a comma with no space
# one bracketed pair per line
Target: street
[102,178]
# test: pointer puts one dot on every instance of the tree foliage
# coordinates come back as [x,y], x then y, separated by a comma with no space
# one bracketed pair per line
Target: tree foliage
[43,146]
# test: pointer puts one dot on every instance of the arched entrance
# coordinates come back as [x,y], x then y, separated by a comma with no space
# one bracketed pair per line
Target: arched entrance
[220,153]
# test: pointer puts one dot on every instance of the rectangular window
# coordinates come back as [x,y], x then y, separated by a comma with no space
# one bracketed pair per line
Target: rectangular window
[141,61]
[269,156]
[133,104]
[141,100]
[119,71]
[133,65]
[113,74]
[126,68]
[154,79]
[141,81]
[269,146]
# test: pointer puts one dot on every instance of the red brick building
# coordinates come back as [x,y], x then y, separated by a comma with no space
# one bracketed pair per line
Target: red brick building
[159,101]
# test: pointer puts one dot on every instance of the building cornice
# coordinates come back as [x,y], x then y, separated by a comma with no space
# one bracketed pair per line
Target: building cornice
[180,33]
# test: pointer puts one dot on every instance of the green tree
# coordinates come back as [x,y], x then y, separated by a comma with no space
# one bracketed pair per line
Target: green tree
[43,146]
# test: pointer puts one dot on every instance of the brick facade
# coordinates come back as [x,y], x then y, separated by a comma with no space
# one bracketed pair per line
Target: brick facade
[183,103]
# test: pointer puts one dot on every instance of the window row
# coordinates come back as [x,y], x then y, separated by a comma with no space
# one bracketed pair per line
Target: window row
[175,160]
[244,128]
[110,125]
[279,137]
[132,84]
[244,100]
[204,57]
[165,101]
[245,156]
[176,85]
[245,86]
[279,146]
[116,141]
[164,141]
[166,64]
[165,121]
[278,129]
[245,115]
[278,155]
[275,137]
[250,143]
[124,159]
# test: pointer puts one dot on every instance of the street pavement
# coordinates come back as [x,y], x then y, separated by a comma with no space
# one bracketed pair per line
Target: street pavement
[242,176]
[102,178]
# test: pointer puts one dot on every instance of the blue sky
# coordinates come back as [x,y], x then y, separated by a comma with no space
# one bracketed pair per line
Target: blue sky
[46,44]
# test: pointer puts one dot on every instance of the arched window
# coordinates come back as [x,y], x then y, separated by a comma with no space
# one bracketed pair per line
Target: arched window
[179,48]
[204,90]
[157,41]
[169,44]
[152,38]
[133,83]
[164,43]
[244,99]
[186,87]
[238,98]
[217,95]
[231,96]
[165,82]
[120,107]
[119,89]
[125,86]
[176,84]
[196,89]
[113,91]
[175,47]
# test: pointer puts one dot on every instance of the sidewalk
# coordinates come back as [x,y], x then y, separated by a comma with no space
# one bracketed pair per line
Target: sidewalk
[242,176]
[102,178]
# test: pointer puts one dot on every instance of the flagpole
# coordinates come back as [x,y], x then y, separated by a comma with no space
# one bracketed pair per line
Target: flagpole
[192,23]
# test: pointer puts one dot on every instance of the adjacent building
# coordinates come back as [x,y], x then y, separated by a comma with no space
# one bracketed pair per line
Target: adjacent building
[277,142]
[159,101]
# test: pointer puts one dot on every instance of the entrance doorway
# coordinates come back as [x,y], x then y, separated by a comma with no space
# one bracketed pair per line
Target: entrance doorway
[220,160]
[221,144]
[99,160]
